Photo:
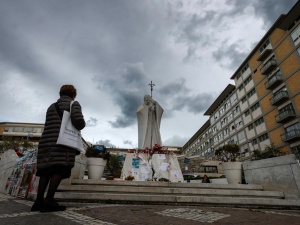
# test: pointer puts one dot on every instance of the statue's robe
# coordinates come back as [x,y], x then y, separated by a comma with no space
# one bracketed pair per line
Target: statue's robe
[149,118]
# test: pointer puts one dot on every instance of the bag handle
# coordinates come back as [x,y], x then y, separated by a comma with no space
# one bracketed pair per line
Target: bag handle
[60,112]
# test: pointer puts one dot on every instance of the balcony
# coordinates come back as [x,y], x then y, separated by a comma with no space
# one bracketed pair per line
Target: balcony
[291,135]
[274,81]
[280,97]
[266,52]
[268,67]
[285,116]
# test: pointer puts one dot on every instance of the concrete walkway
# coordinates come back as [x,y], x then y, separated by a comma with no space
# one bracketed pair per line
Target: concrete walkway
[15,211]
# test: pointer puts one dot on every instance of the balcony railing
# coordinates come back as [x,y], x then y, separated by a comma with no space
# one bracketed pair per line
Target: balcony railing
[268,67]
[285,116]
[279,97]
[264,54]
[274,81]
[291,135]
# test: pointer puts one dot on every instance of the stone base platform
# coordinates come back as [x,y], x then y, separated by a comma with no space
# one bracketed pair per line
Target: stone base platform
[139,192]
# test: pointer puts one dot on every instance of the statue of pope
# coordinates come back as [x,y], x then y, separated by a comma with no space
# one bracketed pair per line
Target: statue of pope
[149,117]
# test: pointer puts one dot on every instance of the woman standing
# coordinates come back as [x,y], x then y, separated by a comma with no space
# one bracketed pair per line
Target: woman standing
[54,162]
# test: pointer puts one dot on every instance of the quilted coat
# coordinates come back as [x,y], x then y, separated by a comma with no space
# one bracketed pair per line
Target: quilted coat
[49,153]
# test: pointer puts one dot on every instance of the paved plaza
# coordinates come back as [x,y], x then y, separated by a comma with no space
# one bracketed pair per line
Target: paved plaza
[15,211]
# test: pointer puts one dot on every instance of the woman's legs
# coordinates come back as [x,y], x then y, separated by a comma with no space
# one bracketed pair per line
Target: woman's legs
[43,183]
[49,204]
[54,183]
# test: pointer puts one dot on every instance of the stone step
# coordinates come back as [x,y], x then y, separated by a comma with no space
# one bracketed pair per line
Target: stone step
[137,198]
[138,192]
[171,191]
[166,184]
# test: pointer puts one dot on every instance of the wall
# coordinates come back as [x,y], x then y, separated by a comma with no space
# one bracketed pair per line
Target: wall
[275,174]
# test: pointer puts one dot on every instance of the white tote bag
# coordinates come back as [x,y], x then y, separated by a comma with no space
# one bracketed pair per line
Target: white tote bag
[68,134]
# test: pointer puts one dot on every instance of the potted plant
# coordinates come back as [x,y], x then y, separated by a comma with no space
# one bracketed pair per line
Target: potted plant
[270,151]
[97,158]
[232,169]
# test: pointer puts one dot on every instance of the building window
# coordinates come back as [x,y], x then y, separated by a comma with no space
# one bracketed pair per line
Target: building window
[37,130]
[248,80]
[211,169]
[8,129]
[229,117]
[263,137]
[252,92]
[244,99]
[250,127]
[241,87]
[226,131]
[259,121]
[28,129]
[296,35]
[236,110]
[18,129]
[254,141]
[255,107]
[233,98]
[241,135]
[223,121]
[295,126]
[245,68]
[227,104]
[222,110]
[263,47]
[238,122]
[247,113]
[244,148]
[288,108]
[220,136]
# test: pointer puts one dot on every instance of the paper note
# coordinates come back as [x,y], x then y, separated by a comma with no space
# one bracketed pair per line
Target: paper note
[163,166]
[161,156]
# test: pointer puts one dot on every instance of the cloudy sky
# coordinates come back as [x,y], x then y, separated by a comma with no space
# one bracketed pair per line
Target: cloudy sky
[111,50]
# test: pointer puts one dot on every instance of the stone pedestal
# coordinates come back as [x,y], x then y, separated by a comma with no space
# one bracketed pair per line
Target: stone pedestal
[140,166]
[137,165]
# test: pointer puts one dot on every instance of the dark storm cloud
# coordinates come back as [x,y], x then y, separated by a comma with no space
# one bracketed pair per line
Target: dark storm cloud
[195,103]
[107,143]
[268,10]
[181,98]
[127,142]
[92,122]
[229,56]
[191,26]
[127,87]
[174,88]
[175,141]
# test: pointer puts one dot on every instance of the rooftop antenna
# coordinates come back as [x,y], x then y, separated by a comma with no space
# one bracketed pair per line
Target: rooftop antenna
[151,86]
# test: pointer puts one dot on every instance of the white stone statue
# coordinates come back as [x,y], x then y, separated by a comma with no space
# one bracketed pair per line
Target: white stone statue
[149,117]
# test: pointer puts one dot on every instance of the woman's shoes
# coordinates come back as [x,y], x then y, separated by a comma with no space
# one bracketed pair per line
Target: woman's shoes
[47,206]
[36,206]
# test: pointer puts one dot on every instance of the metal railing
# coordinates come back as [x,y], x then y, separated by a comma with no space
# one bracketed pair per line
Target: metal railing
[290,135]
[279,96]
[285,114]
[268,66]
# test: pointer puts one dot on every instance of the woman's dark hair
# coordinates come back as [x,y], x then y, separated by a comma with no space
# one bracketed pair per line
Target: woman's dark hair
[68,90]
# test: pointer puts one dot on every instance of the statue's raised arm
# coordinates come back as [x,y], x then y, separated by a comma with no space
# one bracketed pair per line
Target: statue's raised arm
[149,117]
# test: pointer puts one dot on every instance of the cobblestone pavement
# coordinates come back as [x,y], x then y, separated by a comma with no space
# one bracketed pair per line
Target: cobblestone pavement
[15,211]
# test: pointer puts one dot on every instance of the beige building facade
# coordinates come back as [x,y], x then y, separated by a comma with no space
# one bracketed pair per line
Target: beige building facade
[263,107]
